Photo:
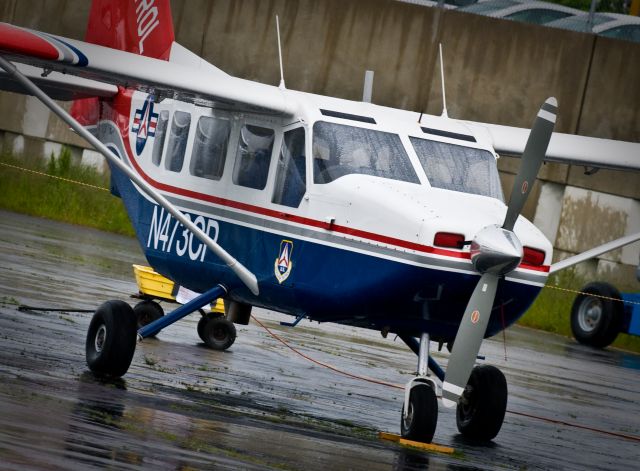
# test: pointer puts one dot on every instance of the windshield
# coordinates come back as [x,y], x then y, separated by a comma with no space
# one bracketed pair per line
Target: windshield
[459,168]
[340,150]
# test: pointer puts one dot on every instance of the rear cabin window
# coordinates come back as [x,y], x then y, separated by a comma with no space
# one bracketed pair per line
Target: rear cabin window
[210,147]
[291,180]
[253,156]
[177,145]
[459,168]
[340,150]
[161,134]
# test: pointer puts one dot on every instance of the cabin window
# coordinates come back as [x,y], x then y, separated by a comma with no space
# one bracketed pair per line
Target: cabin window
[177,141]
[161,133]
[291,181]
[340,150]
[210,147]
[253,156]
[459,168]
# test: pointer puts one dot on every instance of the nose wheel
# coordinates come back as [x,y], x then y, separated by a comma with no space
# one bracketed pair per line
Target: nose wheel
[421,417]
[480,408]
[420,409]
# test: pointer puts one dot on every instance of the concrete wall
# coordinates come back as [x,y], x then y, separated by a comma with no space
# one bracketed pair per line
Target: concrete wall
[496,71]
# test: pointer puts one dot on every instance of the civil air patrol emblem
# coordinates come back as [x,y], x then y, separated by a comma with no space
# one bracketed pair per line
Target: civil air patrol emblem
[144,125]
[283,265]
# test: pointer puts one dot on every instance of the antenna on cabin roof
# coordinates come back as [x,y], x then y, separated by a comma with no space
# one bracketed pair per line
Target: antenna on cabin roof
[444,95]
[280,54]
[367,91]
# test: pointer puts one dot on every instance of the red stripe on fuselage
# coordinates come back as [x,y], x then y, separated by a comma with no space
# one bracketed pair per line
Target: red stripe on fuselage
[18,41]
[122,106]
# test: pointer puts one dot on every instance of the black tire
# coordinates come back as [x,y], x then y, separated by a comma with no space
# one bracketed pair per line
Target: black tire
[203,321]
[218,333]
[111,339]
[420,423]
[146,312]
[481,408]
[597,321]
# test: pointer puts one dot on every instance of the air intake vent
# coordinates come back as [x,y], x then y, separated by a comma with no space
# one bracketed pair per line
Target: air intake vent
[352,117]
[449,134]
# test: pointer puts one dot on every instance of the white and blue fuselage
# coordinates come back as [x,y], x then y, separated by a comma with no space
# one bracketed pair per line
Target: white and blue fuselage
[344,214]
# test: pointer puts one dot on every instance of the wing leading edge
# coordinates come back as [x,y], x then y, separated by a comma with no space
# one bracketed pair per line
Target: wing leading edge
[164,79]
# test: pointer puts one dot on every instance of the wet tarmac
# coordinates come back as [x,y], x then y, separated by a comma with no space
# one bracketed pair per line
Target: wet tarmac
[259,405]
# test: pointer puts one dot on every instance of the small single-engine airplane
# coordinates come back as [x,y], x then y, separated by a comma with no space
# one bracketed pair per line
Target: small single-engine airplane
[317,207]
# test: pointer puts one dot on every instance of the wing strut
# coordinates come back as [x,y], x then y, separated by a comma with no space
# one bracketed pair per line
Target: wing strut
[594,252]
[246,276]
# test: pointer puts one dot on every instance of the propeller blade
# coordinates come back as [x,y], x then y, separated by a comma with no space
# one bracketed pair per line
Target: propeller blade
[532,158]
[467,343]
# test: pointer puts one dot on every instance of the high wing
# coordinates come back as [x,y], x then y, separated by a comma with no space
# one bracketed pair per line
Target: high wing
[180,80]
[566,148]
[58,86]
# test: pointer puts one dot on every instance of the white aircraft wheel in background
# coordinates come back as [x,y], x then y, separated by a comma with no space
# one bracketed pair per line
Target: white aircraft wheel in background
[482,406]
[597,321]
[422,417]
[111,339]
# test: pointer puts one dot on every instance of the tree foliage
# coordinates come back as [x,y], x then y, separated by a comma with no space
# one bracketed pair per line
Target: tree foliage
[613,6]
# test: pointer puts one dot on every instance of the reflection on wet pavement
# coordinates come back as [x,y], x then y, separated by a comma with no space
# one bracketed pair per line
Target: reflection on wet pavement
[257,406]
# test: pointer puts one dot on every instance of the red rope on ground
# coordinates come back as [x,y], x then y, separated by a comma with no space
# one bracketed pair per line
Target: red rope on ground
[397,386]
[583,427]
[325,365]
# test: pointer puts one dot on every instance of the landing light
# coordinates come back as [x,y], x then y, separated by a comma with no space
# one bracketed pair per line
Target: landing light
[532,257]
[448,239]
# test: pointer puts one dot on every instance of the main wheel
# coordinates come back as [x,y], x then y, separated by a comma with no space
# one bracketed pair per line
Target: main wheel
[217,332]
[422,416]
[146,312]
[111,339]
[481,408]
[597,321]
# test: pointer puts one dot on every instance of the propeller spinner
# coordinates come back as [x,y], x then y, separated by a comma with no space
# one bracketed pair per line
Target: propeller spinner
[496,251]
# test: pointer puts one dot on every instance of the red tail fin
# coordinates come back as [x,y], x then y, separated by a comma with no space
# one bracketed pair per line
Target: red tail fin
[143,27]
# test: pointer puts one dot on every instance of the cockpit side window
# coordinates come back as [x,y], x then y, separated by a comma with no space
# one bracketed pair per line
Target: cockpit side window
[210,147]
[253,156]
[178,141]
[291,180]
[459,168]
[340,150]
[161,134]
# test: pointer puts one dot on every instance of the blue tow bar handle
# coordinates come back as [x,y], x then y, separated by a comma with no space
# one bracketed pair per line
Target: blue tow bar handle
[184,310]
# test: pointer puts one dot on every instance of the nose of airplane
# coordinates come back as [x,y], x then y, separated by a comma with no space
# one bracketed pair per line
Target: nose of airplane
[496,250]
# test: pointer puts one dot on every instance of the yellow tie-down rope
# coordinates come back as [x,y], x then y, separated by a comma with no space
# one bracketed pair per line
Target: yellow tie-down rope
[54,176]
[590,294]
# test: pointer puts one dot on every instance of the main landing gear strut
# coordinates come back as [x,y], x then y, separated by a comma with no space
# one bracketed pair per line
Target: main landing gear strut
[113,332]
[480,409]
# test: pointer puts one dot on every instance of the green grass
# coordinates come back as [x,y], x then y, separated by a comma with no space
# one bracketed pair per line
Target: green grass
[41,195]
[552,310]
